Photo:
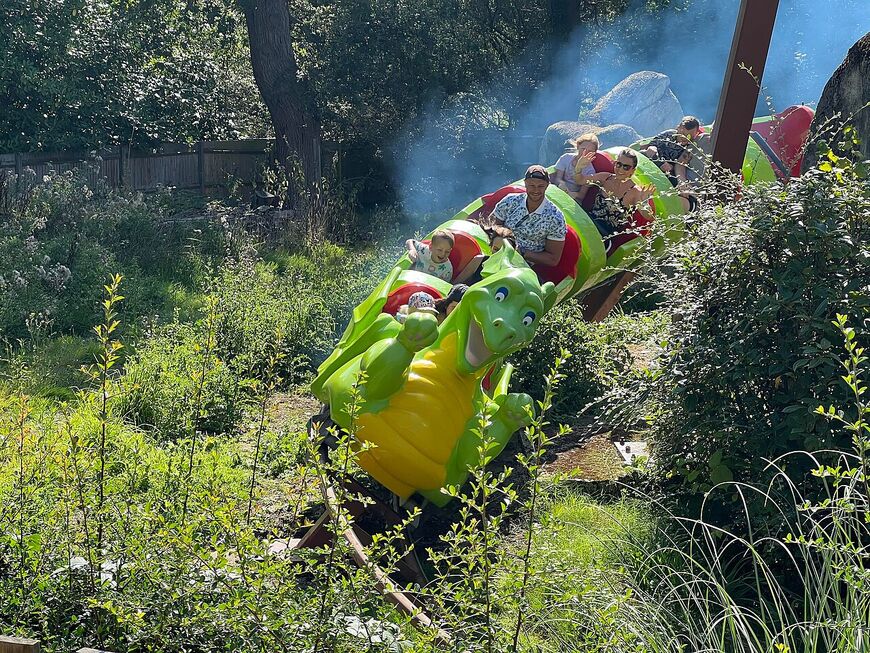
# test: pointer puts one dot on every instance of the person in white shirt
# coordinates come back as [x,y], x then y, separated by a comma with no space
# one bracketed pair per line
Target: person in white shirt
[537,224]
[433,258]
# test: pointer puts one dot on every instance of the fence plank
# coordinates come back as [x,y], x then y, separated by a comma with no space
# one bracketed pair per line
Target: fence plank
[18,645]
[200,167]
[250,145]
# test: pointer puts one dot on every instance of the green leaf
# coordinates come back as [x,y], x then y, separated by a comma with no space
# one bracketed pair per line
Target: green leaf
[721,474]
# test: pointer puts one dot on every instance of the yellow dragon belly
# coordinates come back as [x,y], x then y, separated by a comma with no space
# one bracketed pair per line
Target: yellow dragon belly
[414,436]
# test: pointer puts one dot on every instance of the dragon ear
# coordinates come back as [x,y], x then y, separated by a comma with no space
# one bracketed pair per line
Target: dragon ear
[548,290]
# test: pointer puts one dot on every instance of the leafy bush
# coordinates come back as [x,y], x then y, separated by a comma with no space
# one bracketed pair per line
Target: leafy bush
[203,372]
[599,352]
[256,307]
[751,353]
[175,381]
[745,591]
[62,238]
[340,276]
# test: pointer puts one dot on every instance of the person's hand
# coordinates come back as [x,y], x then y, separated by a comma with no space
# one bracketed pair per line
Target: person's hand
[412,254]
[583,161]
[645,192]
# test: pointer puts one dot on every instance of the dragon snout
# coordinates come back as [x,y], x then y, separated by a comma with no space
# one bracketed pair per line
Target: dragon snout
[506,333]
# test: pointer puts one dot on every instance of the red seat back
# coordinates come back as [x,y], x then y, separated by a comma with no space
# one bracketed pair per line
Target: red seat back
[601,163]
[639,226]
[400,296]
[567,266]
[465,248]
[787,135]
[491,199]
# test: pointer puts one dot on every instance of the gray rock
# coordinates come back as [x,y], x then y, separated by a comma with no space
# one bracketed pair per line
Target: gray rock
[643,101]
[558,134]
[847,94]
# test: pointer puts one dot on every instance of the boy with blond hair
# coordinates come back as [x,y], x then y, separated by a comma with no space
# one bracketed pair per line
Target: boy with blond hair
[433,258]
[573,168]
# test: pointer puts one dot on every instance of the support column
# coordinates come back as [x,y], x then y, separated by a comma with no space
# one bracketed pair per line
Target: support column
[743,81]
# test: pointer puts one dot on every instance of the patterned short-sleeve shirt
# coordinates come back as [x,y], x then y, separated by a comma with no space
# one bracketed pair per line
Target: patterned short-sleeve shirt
[531,230]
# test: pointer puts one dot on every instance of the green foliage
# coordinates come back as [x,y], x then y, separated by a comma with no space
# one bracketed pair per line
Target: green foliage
[62,238]
[581,585]
[750,354]
[254,303]
[83,74]
[599,352]
[748,591]
[165,375]
[375,65]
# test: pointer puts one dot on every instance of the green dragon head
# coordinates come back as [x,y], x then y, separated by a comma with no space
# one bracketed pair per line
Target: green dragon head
[499,314]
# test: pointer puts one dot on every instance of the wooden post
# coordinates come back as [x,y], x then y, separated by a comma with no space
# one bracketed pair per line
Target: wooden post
[598,302]
[18,645]
[18,165]
[742,81]
[200,158]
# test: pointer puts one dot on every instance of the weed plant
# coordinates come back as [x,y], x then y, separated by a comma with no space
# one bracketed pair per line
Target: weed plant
[711,589]
[600,352]
[64,236]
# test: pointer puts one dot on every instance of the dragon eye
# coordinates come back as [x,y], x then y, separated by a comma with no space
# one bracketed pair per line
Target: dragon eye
[501,294]
[528,318]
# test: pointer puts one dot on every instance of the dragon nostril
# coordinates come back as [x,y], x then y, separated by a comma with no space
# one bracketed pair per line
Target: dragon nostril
[497,322]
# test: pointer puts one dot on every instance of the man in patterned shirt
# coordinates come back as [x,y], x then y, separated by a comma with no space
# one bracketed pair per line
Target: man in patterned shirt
[538,225]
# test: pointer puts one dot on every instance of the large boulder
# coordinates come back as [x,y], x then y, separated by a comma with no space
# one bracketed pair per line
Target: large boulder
[847,93]
[558,134]
[643,101]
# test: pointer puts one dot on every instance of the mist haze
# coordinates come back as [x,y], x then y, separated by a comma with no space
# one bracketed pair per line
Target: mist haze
[445,160]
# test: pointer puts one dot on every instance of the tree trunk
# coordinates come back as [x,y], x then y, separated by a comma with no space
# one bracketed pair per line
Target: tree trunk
[564,16]
[288,98]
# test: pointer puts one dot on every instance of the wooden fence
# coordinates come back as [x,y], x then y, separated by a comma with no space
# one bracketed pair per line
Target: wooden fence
[209,166]
[23,645]
[202,166]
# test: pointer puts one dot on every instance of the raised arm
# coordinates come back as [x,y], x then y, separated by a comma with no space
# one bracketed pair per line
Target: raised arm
[472,267]
[411,244]
[597,179]
[638,198]
[583,162]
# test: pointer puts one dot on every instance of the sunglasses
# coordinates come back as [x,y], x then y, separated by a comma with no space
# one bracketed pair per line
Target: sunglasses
[623,166]
[537,174]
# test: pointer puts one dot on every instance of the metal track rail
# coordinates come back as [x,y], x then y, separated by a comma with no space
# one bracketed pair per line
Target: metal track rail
[357,539]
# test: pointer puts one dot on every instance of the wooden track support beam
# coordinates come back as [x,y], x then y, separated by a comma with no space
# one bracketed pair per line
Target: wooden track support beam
[599,301]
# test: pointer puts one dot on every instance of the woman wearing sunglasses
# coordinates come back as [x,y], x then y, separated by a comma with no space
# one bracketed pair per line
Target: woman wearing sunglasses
[618,196]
